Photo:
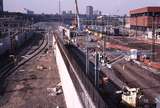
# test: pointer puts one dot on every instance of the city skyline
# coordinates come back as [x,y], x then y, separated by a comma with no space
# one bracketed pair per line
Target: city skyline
[51,7]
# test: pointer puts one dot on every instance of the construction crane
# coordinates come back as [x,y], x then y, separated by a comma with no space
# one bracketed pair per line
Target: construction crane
[76,23]
[77,16]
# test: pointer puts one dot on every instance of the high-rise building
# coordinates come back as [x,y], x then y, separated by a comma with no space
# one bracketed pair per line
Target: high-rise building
[1,5]
[89,10]
[64,12]
[97,12]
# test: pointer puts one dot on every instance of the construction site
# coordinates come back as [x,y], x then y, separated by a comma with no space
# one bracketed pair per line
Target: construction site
[122,65]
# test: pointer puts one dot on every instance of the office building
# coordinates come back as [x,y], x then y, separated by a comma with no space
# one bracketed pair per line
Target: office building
[143,19]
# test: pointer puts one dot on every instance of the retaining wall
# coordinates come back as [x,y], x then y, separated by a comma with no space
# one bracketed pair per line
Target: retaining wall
[71,96]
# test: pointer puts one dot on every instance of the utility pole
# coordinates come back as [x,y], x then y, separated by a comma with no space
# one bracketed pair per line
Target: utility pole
[153,36]
[87,61]
[104,29]
[136,26]
[104,44]
[12,40]
[108,28]
[59,7]
[49,32]
[13,45]
[59,12]
[96,80]
[87,56]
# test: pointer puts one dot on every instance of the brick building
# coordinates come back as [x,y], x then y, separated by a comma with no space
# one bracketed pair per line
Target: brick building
[143,19]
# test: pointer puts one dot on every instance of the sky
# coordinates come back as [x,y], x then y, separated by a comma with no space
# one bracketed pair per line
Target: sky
[112,7]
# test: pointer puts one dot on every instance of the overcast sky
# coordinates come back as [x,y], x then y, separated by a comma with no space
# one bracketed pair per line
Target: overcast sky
[119,7]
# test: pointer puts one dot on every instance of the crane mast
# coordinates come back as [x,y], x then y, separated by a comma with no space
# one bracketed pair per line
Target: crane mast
[77,16]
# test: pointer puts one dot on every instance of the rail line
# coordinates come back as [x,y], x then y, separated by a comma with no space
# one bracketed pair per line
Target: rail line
[30,53]
[8,70]
[137,77]
[22,53]
[131,75]
[79,56]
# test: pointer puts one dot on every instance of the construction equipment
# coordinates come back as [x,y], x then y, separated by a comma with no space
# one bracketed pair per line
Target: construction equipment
[130,96]
[76,26]
[77,19]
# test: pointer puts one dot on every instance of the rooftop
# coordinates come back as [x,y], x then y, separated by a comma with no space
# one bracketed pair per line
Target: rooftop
[145,9]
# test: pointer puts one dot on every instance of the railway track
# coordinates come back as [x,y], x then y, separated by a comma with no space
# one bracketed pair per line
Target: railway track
[27,51]
[132,75]
[138,78]
[27,48]
[109,96]
[10,68]
[32,51]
